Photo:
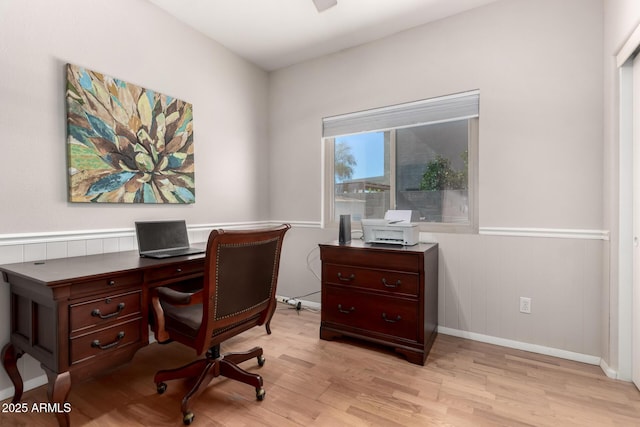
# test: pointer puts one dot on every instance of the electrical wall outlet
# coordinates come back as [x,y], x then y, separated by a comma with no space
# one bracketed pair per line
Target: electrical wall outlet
[525,305]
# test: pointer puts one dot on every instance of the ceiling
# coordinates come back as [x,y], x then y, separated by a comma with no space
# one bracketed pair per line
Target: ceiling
[277,33]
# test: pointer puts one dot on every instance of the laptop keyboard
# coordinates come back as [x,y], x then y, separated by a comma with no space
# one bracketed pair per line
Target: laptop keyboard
[175,252]
[168,253]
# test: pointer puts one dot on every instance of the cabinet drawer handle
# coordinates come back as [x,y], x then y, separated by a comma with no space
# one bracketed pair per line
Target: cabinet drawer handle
[96,343]
[111,282]
[346,279]
[342,310]
[178,270]
[391,285]
[97,313]
[384,317]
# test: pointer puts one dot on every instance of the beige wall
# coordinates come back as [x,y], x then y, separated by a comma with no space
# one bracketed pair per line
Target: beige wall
[137,42]
[538,66]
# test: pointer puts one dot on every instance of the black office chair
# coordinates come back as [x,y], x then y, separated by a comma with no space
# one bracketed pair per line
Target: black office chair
[239,289]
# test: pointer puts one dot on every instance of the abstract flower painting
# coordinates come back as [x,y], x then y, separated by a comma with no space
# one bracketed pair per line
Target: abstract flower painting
[127,144]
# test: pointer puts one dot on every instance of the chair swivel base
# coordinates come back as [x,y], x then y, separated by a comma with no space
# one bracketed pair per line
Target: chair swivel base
[205,370]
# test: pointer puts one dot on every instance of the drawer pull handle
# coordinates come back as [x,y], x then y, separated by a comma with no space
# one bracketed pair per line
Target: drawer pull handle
[111,282]
[384,317]
[97,313]
[391,285]
[96,343]
[178,270]
[346,279]
[342,310]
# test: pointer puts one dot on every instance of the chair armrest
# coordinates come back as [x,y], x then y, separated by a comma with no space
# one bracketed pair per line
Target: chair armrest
[172,297]
[178,298]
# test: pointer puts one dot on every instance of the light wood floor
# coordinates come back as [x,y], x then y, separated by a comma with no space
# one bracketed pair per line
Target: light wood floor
[310,382]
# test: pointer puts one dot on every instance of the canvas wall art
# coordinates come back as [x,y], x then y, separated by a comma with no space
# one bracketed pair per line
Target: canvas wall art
[127,144]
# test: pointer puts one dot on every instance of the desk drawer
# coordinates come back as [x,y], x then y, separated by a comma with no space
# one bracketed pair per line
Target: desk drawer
[105,341]
[174,272]
[394,282]
[106,284]
[375,313]
[101,312]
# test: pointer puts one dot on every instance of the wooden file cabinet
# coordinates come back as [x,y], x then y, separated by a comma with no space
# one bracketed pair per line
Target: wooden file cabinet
[385,294]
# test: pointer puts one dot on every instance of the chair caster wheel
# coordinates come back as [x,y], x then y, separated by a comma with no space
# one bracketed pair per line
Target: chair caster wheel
[187,419]
[261,360]
[260,393]
[161,388]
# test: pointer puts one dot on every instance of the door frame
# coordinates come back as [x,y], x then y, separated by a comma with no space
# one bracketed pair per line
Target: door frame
[628,328]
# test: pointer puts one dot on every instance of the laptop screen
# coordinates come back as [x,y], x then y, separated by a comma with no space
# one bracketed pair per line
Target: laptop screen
[158,235]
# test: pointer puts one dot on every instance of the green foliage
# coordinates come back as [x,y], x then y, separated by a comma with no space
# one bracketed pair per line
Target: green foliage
[439,175]
[344,162]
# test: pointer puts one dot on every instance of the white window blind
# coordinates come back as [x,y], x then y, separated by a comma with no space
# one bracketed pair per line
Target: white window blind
[434,110]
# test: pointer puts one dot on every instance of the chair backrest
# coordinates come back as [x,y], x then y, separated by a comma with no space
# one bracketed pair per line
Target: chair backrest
[240,279]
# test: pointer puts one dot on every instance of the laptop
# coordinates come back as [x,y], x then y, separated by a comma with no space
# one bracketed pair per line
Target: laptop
[164,239]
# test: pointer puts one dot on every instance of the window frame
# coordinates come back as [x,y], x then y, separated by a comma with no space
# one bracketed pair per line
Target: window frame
[470,227]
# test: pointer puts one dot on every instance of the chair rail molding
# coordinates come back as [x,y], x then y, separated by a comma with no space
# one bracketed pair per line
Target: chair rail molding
[561,233]
[67,236]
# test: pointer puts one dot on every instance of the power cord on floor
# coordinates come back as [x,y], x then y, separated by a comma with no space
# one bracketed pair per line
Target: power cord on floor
[295,303]
[292,305]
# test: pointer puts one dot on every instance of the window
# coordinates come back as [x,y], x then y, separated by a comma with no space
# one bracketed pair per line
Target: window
[420,156]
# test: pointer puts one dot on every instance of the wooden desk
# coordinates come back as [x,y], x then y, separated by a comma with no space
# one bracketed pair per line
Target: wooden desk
[84,315]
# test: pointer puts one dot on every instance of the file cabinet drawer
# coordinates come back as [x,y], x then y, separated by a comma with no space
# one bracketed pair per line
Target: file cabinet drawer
[384,258]
[375,313]
[395,282]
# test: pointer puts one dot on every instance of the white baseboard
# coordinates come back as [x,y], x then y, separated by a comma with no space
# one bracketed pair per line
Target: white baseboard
[534,348]
[503,342]
[608,371]
[28,385]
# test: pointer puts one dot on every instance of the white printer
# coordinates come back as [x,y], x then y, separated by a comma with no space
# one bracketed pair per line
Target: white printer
[396,228]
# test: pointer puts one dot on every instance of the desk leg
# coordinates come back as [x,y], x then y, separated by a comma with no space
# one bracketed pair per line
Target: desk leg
[9,361]
[58,390]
